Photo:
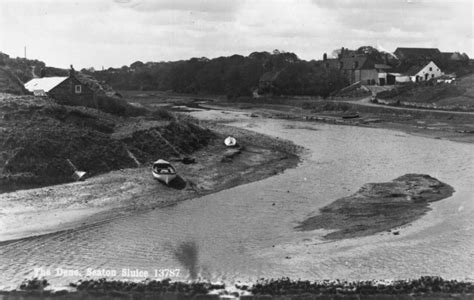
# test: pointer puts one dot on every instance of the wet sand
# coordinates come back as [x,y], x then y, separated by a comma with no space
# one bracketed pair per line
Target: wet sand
[378,207]
[33,212]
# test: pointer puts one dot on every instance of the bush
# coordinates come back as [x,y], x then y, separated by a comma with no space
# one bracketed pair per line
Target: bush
[162,114]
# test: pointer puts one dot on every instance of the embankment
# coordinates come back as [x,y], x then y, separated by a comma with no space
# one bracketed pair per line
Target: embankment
[39,136]
[101,145]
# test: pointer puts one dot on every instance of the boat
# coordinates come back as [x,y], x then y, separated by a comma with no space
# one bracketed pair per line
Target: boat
[350,116]
[163,171]
[230,141]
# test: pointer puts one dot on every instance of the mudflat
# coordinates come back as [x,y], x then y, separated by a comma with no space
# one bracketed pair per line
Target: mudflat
[377,207]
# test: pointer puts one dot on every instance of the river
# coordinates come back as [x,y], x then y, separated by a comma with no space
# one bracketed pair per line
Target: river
[247,232]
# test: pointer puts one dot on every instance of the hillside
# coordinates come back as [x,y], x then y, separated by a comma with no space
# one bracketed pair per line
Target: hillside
[457,96]
[9,83]
[38,136]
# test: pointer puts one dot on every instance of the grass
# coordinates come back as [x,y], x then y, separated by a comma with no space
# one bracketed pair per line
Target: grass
[455,96]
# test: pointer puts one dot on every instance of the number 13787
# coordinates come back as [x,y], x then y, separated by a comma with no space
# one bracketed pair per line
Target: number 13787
[164,273]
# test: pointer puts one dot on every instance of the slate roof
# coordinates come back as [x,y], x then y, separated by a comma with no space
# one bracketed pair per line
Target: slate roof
[413,70]
[44,84]
[454,56]
[350,63]
[417,52]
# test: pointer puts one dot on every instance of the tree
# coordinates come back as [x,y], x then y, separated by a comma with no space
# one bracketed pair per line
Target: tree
[137,65]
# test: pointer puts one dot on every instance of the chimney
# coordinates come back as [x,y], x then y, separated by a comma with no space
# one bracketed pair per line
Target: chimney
[71,71]
[325,57]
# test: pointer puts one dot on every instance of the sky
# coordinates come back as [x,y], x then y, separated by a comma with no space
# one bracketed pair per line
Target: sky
[113,33]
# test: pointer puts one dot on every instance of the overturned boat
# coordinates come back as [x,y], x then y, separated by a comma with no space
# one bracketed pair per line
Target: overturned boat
[163,171]
[230,141]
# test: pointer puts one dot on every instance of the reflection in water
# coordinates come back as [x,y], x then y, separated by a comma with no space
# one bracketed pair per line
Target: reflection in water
[187,254]
[248,232]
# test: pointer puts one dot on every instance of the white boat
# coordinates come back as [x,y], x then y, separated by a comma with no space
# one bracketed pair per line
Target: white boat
[163,171]
[230,141]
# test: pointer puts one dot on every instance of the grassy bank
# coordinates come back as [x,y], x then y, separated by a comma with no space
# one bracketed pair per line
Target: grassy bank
[39,136]
[458,95]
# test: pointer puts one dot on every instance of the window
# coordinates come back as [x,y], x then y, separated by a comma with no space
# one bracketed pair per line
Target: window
[431,69]
[432,75]
[78,89]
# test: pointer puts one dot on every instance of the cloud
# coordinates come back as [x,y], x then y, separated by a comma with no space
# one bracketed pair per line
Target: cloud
[208,6]
[117,32]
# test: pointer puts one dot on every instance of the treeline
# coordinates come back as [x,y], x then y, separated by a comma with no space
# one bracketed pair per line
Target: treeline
[233,76]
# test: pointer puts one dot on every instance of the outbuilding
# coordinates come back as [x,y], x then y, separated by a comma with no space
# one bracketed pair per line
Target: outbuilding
[66,90]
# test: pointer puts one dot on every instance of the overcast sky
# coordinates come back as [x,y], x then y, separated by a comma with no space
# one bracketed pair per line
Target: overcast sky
[112,33]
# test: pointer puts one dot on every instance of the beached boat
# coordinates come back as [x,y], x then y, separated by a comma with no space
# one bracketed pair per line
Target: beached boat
[350,116]
[163,171]
[230,141]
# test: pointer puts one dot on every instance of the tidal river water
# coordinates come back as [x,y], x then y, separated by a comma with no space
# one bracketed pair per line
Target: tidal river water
[248,232]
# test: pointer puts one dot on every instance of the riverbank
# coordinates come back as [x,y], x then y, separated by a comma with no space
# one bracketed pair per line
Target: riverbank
[119,193]
[446,125]
[427,287]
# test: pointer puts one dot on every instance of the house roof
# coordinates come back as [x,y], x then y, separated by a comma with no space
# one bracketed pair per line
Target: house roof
[45,84]
[417,52]
[356,63]
[413,70]
[454,56]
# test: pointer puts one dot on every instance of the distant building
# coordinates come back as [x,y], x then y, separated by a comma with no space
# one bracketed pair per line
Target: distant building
[424,73]
[455,56]
[67,90]
[417,53]
[383,76]
[359,68]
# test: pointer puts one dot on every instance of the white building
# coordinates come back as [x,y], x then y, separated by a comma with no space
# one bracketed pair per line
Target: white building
[430,71]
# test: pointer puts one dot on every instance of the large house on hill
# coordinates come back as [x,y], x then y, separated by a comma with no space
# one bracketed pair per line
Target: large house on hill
[67,90]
